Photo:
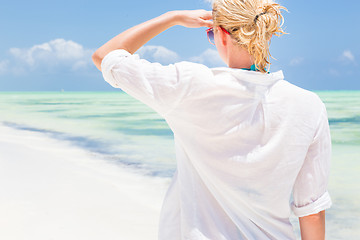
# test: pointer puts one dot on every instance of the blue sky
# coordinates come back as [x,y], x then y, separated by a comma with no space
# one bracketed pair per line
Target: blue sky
[47,45]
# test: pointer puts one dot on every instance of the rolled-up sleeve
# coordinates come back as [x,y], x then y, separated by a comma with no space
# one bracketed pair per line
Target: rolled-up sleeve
[154,84]
[310,193]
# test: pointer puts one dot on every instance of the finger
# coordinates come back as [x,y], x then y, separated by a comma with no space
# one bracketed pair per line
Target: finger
[207,15]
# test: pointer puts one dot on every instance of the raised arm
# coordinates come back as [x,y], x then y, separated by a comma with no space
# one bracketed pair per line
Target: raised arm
[312,227]
[135,37]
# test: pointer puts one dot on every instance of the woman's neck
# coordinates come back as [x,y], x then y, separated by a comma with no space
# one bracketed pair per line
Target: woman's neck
[238,57]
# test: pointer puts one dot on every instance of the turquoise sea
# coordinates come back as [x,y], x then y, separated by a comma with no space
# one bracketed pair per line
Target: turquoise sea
[116,127]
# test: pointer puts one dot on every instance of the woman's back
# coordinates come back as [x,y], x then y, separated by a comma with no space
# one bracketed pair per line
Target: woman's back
[241,138]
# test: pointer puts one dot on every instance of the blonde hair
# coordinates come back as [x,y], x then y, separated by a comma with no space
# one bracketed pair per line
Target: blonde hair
[251,23]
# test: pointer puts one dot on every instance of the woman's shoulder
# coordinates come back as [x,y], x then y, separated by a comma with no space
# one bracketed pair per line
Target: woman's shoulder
[193,70]
[192,66]
[297,95]
[300,91]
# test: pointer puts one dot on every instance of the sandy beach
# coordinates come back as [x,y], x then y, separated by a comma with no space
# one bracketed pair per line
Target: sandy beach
[52,190]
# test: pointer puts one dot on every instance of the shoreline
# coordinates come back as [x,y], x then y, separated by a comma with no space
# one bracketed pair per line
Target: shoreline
[52,190]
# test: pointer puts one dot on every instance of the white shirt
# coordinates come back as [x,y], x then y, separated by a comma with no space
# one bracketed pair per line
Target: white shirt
[245,143]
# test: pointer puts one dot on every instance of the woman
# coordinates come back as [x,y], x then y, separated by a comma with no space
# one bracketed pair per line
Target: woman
[246,140]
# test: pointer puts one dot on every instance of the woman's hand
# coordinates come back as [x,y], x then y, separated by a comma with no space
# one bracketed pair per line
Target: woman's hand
[194,18]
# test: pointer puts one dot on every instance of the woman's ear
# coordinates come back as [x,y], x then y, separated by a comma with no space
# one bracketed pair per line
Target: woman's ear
[222,36]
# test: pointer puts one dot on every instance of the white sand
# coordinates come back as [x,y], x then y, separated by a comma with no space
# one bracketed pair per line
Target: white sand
[51,190]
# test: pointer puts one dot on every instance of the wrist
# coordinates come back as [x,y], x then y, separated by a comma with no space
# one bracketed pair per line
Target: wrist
[174,17]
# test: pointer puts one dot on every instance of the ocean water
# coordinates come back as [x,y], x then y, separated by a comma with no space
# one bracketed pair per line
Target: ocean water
[111,125]
[116,127]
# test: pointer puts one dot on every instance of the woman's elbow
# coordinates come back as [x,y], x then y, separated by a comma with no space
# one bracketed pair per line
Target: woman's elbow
[97,60]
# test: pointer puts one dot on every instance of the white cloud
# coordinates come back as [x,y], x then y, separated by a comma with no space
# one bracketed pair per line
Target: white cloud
[296,61]
[209,57]
[158,54]
[60,55]
[347,55]
[52,54]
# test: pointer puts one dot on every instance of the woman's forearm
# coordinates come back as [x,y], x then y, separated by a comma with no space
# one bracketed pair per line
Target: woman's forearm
[312,227]
[135,37]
